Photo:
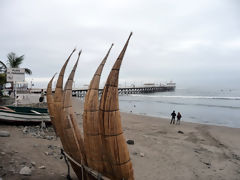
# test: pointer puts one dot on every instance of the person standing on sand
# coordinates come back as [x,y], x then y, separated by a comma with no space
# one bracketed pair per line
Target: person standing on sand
[42,96]
[173,117]
[179,116]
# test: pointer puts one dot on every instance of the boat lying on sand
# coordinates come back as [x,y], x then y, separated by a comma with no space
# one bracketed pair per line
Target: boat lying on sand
[23,114]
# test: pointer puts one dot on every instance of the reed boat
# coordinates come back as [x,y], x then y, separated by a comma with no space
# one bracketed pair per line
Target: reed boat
[23,114]
[101,151]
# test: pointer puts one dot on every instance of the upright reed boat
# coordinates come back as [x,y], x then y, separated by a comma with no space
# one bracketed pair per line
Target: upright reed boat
[102,149]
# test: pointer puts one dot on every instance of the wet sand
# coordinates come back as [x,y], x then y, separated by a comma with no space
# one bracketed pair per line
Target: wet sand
[159,152]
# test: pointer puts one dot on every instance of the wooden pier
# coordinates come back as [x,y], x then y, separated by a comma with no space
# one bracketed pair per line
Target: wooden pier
[129,90]
[124,91]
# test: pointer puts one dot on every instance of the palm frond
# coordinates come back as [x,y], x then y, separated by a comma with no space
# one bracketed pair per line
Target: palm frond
[3,64]
[28,71]
[19,61]
[14,61]
[11,58]
[3,67]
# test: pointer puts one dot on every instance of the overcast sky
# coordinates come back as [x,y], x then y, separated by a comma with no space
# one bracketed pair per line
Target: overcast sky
[193,43]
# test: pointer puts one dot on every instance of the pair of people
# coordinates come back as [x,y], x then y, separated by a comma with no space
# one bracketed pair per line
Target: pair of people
[179,116]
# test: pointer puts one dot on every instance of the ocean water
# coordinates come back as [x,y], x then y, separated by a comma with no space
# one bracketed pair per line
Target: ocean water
[217,107]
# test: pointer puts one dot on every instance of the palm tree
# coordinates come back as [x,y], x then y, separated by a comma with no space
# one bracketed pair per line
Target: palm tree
[15,61]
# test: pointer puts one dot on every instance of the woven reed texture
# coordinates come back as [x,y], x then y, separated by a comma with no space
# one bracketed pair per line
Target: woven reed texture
[70,127]
[91,123]
[119,165]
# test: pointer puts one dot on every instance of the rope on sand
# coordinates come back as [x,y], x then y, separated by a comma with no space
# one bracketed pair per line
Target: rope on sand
[90,171]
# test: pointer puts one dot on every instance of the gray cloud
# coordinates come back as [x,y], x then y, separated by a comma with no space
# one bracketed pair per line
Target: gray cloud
[189,42]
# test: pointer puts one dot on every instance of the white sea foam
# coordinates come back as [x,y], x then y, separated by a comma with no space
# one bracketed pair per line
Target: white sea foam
[190,97]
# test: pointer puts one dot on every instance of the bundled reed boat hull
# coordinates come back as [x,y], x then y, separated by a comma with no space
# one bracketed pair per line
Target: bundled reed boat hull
[119,163]
[91,123]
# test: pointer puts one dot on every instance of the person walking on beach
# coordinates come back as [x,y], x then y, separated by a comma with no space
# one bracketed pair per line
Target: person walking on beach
[179,116]
[173,117]
[42,96]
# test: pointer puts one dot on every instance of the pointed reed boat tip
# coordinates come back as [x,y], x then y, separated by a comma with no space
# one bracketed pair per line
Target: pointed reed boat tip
[76,62]
[130,36]
[58,90]
[80,52]
[52,78]
[110,49]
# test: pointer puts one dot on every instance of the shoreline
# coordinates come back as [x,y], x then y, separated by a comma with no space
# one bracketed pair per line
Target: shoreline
[195,106]
[182,121]
[158,117]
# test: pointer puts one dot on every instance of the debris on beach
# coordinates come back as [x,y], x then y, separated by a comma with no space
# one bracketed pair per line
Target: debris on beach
[36,131]
[235,156]
[33,163]
[135,153]
[26,171]
[131,142]
[4,134]
[207,163]
[42,167]
[180,132]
